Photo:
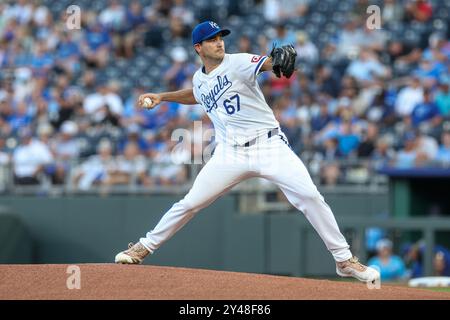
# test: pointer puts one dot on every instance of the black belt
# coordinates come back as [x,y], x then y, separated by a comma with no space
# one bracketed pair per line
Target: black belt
[270,134]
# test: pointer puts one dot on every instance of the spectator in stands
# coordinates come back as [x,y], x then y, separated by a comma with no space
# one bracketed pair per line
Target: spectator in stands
[153,36]
[10,27]
[48,33]
[373,236]
[88,81]
[244,44]
[71,107]
[406,157]
[349,39]
[426,148]
[304,86]
[134,28]
[327,81]
[178,30]
[42,60]
[113,17]
[263,44]
[23,83]
[153,142]
[426,111]
[438,48]
[160,8]
[68,54]
[105,105]
[41,15]
[133,136]
[279,10]
[409,97]
[443,154]
[96,45]
[181,11]
[87,137]
[374,39]
[180,70]
[5,157]
[44,143]
[306,108]
[94,171]
[401,55]
[441,263]
[348,140]
[66,150]
[367,68]
[383,154]
[330,150]
[391,266]
[132,114]
[129,169]
[381,109]
[45,135]
[306,50]
[419,10]
[22,11]
[289,121]
[429,71]
[164,171]
[414,255]
[283,36]
[157,119]
[392,11]
[20,117]
[442,99]
[30,159]
[322,119]
[5,127]
[368,141]
[359,8]
[330,173]
[4,57]
[348,84]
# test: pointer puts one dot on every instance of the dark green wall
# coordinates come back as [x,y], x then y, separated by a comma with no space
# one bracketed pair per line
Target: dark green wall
[16,245]
[93,229]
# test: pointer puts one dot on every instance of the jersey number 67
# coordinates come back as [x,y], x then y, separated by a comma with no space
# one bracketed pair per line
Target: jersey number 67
[232,106]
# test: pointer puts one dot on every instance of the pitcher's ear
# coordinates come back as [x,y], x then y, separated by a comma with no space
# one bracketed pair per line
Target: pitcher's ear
[197,47]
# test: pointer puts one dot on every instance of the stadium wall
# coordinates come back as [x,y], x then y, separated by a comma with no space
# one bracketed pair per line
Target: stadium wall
[92,229]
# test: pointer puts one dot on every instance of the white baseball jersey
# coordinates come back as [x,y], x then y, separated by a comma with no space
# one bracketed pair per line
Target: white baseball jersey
[233,99]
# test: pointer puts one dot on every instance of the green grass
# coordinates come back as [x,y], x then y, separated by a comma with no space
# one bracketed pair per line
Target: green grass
[444,289]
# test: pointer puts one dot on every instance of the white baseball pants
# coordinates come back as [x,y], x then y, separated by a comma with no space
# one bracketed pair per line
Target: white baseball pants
[270,158]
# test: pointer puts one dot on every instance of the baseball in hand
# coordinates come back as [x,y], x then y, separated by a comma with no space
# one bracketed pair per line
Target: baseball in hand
[147,102]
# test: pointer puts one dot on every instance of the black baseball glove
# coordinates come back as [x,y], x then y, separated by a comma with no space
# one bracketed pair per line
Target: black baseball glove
[283,60]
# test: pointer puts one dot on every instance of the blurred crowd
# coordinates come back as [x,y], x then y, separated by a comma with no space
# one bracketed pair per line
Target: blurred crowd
[360,95]
[409,262]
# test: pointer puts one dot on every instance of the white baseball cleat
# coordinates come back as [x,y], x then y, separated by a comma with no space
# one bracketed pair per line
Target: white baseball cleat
[134,255]
[353,268]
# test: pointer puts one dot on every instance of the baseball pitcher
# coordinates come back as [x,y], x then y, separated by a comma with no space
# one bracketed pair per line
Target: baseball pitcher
[250,143]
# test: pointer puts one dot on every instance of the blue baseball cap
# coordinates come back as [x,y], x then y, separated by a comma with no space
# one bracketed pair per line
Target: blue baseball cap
[207,30]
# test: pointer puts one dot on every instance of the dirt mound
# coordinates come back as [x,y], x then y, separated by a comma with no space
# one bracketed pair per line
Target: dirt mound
[109,281]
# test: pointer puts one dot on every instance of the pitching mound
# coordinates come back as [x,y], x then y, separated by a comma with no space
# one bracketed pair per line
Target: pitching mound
[109,281]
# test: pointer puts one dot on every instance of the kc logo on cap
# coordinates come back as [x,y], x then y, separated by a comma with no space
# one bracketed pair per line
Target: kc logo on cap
[214,25]
[207,30]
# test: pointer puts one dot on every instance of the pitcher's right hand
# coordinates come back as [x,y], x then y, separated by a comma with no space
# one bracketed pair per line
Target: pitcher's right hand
[154,97]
